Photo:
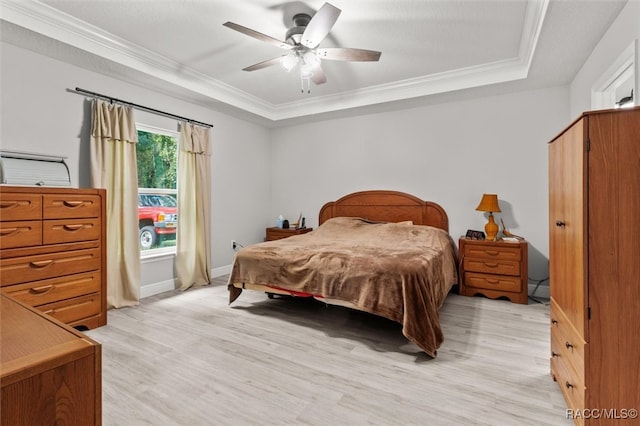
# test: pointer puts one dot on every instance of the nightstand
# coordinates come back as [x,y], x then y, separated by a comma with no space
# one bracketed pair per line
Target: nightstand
[494,269]
[279,233]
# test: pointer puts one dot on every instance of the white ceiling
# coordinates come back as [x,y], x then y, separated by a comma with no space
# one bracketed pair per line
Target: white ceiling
[428,47]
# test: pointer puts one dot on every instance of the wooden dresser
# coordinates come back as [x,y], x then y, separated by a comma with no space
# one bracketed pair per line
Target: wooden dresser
[280,233]
[50,374]
[494,269]
[52,251]
[594,262]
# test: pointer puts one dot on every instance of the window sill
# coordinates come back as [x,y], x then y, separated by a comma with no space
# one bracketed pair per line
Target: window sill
[156,255]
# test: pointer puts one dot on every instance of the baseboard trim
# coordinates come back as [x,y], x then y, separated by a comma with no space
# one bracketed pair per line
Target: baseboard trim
[220,271]
[170,285]
[157,288]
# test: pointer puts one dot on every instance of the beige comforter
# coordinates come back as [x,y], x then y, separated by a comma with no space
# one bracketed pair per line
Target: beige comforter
[398,271]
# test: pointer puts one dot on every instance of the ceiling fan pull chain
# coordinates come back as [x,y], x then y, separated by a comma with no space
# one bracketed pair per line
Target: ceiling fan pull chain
[302,80]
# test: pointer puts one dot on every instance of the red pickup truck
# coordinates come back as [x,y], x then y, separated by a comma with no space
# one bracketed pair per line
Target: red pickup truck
[157,219]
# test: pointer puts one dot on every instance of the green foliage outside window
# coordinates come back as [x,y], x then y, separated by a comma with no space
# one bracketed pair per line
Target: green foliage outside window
[157,160]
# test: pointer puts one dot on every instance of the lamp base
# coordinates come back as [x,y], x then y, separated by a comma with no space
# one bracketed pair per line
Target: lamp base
[491,229]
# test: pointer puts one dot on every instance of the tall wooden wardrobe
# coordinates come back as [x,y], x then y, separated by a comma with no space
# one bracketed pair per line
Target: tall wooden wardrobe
[594,262]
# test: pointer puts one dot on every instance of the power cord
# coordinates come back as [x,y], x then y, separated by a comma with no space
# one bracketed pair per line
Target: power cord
[538,282]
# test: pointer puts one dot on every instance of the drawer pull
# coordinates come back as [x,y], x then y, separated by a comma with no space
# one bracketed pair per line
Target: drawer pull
[41,290]
[41,263]
[492,252]
[560,224]
[8,231]
[50,312]
[73,204]
[490,265]
[554,322]
[555,354]
[73,227]
[568,345]
[568,385]
[8,204]
[492,281]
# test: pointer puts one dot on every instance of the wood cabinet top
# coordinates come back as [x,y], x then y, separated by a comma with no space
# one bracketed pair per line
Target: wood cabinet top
[29,338]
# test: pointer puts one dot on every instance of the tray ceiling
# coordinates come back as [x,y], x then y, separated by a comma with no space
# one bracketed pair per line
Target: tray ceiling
[428,47]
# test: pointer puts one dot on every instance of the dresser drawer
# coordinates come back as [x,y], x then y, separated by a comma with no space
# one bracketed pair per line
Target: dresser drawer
[20,234]
[48,291]
[571,385]
[571,357]
[496,253]
[20,206]
[491,266]
[75,309]
[63,206]
[35,268]
[70,230]
[566,342]
[493,282]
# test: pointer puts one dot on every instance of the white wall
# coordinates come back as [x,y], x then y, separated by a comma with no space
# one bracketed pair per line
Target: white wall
[624,30]
[40,115]
[450,153]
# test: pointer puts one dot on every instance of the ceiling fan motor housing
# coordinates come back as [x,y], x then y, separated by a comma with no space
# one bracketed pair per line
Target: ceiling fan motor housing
[294,34]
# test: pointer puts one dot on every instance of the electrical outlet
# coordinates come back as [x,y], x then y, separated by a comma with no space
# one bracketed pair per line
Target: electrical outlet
[234,245]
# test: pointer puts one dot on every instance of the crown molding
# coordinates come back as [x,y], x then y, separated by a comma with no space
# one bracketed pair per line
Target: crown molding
[53,23]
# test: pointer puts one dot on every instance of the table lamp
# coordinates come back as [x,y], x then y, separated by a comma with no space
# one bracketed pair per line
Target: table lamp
[489,203]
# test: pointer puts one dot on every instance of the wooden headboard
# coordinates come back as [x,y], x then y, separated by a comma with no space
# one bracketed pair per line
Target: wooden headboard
[386,206]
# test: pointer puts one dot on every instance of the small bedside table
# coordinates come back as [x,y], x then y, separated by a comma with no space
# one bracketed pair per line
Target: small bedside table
[494,269]
[279,233]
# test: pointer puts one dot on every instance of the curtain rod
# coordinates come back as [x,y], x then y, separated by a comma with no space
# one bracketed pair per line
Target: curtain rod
[140,107]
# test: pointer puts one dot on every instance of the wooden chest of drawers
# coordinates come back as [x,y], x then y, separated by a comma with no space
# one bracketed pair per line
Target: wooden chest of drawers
[52,254]
[50,374]
[494,269]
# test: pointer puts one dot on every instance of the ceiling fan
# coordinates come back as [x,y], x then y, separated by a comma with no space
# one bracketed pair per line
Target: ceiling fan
[302,42]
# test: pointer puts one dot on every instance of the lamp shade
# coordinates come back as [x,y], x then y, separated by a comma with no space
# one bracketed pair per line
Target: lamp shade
[489,203]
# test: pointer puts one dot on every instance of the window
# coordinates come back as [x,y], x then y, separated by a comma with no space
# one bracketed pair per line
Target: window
[157,157]
[616,87]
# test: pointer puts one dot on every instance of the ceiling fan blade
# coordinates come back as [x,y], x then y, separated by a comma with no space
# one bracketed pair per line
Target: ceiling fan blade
[318,76]
[257,35]
[263,64]
[320,25]
[347,54]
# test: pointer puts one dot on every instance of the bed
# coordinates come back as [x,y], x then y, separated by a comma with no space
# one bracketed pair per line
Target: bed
[384,252]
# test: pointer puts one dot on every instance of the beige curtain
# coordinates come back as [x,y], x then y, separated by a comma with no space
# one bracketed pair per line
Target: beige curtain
[193,241]
[114,167]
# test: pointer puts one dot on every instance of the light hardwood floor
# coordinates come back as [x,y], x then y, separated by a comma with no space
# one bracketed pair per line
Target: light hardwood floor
[191,359]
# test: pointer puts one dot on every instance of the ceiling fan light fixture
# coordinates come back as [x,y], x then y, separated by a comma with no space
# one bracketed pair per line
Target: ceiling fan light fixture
[310,58]
[306,70]
[289,61]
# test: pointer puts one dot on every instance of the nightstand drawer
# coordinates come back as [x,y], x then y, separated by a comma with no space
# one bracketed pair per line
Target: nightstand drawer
[493,282]
[490,266]
[280,233]
[498,253]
